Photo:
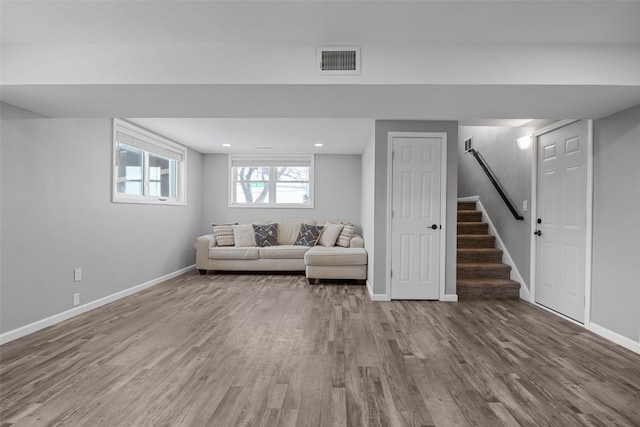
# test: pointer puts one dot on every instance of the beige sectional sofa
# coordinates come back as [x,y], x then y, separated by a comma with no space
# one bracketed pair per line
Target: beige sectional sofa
[338,253]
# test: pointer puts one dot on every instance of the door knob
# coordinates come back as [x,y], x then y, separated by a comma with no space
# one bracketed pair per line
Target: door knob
[538,233]
[434,227]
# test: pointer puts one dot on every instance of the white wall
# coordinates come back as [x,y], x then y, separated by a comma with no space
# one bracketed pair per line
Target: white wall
[337,193]
[367,210]
[616,224]
[512,168]
[57,214]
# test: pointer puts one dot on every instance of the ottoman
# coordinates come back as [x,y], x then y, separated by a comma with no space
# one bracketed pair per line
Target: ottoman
[336,263]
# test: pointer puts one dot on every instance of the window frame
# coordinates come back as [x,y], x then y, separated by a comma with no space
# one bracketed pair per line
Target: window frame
[273,162]
[156,145]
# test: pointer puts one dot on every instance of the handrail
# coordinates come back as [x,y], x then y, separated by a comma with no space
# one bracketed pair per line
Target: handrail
[515,213]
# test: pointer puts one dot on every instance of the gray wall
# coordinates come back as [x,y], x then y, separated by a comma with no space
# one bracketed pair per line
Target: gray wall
[616,216]
[512,168]
[383,127]
[57,214]
[337,193]
[368,199]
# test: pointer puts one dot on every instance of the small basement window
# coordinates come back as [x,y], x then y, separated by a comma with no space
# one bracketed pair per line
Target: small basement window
[147,168]
[271,181]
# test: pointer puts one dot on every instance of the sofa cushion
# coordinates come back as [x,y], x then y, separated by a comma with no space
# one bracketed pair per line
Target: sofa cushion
[224,235]
[346,233]
[283,252]
[243,235]
[265,235]
[308,235]
[288,230]
[234,253]
[330,233]
[335,256]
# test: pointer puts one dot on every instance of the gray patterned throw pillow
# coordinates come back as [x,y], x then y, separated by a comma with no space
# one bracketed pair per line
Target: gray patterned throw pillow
[266,235]
[309,235]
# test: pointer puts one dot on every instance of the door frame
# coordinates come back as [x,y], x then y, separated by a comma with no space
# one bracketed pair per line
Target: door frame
[588,211]
[443,204]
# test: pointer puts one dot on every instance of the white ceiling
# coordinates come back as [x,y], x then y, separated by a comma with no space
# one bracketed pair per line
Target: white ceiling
[475,21]
[207,72]
[273,135]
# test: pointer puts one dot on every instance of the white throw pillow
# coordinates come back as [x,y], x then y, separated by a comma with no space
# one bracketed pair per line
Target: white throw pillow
[224,235]
[345,236]
[330,234]
[243,235]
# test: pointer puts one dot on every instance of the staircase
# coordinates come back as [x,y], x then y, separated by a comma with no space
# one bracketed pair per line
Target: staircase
[480,270]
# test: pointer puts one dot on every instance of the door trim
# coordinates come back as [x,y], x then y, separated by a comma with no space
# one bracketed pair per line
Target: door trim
[588,211]
[443,204]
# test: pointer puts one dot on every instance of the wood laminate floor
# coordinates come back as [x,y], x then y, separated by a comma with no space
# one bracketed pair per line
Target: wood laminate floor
[272,350]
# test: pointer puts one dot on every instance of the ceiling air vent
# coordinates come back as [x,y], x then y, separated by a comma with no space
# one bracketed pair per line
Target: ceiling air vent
[338,60]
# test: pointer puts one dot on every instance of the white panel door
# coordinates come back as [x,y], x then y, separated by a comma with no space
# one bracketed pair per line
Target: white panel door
[561,222]
[415,223]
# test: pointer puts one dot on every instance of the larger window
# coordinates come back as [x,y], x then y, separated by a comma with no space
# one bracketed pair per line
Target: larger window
[147,168]
[271,181]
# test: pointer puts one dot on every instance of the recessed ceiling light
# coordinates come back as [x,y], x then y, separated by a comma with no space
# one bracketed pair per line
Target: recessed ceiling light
[318,145]
[226,145]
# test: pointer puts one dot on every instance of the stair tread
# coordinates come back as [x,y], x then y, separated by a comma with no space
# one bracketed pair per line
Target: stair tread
[480,249]
[483,264]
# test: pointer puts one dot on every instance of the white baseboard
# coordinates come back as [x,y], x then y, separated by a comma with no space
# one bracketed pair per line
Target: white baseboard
[625,342]
[450,298]
[376,297]
[68,314]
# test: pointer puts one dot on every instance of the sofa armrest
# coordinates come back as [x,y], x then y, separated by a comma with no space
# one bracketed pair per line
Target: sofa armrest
[356,241]
[203,243]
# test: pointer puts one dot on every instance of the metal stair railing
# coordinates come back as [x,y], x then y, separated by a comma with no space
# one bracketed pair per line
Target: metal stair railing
[495,183]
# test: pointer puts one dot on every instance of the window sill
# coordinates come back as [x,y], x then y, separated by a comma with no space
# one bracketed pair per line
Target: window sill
[269,206]
[149,201]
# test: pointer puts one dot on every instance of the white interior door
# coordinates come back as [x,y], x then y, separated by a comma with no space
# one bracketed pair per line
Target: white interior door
[416,211]
[561,220]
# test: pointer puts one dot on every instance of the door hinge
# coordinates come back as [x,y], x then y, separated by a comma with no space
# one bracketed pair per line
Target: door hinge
[393,213]
[393,155]
[391,273]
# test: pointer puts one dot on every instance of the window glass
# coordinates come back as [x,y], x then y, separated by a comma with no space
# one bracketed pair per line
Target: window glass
[271,181]
[147,167]
[129,170]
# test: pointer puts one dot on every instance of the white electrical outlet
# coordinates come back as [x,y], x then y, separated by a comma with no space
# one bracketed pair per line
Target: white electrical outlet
[525,205]
[77,274]
[76,299]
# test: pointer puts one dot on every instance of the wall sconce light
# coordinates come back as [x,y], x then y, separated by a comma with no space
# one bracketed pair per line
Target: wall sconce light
[524,142]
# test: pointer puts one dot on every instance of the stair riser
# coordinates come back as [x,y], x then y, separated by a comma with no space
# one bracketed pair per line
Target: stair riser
[474,257]
[473,228]
[487,293]
[482,273]
[466,206]
[476,242]
[469,216]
